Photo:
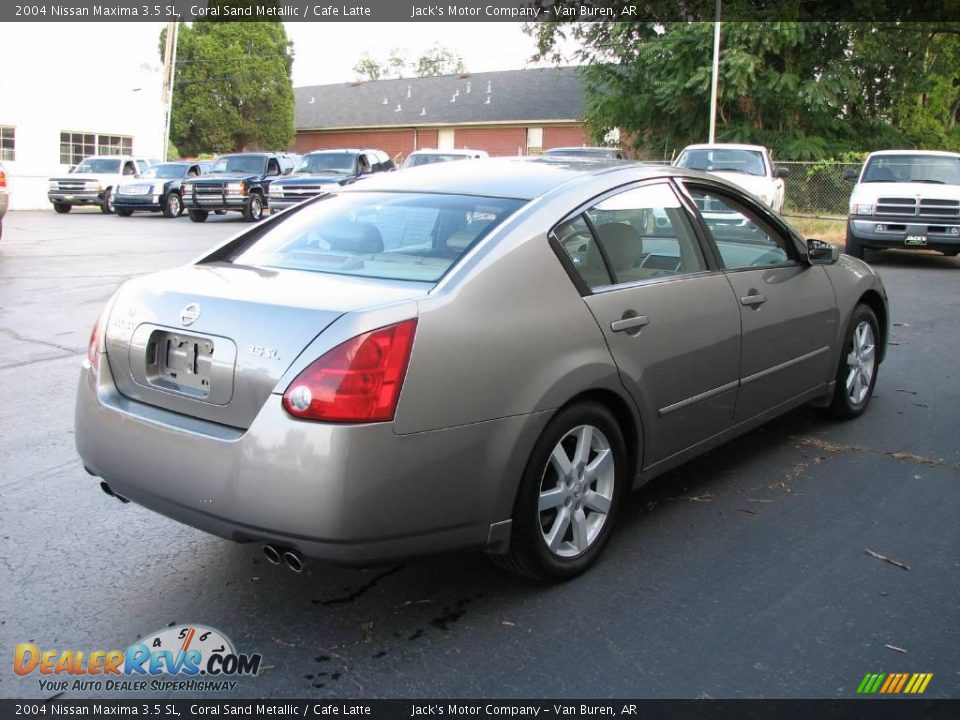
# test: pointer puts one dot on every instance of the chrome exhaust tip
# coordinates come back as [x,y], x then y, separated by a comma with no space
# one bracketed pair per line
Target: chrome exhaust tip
[272,555]
[294,560]
[109,491]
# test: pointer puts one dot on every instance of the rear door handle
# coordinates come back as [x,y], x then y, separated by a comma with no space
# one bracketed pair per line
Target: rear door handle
[634,322]
[753,299]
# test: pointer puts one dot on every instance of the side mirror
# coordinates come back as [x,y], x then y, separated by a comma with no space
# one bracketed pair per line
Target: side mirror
[820,252]
[851,175]
[781,172]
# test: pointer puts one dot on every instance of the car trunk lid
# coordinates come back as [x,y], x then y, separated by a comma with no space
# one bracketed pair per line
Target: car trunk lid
[213,340]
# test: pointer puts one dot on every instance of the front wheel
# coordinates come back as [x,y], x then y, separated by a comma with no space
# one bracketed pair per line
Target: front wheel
[173,206]
[857,370]
[106,207]
[198,215]
[568,497]
[62,208]
[253,209]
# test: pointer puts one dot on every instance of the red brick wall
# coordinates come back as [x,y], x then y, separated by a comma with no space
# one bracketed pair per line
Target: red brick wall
[399,143]
[564,136]
[495,140]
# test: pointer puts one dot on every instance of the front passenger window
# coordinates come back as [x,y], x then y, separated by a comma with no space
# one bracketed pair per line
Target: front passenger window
[741,240]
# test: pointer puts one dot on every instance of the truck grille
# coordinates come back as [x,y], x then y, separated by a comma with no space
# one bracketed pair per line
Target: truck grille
[909,207]
[299,192]
[75,185]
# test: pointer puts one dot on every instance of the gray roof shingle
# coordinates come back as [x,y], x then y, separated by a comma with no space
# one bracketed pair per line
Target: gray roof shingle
[549,94]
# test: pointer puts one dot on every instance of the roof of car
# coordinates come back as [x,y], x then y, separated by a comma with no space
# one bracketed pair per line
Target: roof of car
[725,146]
[451,151]
[939,153]
[514,177]
[341,150]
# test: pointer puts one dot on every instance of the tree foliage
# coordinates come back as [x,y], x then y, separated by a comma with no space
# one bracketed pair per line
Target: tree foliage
[809,90]
[438,60]
[233,89]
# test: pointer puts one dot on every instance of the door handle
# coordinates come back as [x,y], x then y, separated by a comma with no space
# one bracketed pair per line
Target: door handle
[633,322]
[753,299]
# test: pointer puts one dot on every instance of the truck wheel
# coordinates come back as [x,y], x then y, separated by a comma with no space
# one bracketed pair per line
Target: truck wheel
[853,247]
[62,208]
[198,215]
[173,206]
[107,206]
[253,210]
[124,213]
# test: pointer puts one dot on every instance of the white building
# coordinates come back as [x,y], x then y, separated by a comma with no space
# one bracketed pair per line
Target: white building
[74,89]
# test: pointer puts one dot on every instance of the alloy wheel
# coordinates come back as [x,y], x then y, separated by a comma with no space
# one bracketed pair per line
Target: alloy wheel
[861,363]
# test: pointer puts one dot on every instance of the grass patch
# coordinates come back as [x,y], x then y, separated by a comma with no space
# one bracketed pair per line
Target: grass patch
[833,231]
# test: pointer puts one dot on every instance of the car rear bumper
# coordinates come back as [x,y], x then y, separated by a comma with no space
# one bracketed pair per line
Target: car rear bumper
[349,494]
[883,233]
[4,202]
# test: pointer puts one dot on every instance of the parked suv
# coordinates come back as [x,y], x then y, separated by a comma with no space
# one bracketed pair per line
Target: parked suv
[93,181]
[159,189]
[237,182]
[749,166]
[428,157]
[905,199]
[323,171]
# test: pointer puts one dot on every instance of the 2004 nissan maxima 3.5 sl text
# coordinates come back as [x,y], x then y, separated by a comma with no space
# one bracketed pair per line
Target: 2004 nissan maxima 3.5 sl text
[487,357]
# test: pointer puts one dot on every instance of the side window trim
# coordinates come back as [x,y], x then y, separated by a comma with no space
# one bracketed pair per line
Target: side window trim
[751,211]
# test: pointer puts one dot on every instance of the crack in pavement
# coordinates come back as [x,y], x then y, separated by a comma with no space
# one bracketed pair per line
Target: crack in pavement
[33,341]
[836,449]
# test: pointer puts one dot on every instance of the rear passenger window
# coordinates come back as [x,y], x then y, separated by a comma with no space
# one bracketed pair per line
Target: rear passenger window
[742,241]
[637,235]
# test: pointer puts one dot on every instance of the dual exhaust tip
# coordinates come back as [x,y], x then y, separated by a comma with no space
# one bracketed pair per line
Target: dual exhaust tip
[293,559]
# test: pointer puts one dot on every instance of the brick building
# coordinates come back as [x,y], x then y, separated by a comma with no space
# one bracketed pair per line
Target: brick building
[516,112]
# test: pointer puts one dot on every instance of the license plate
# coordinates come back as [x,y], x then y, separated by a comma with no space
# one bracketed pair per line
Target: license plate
[68,197]
[915,240]
[184,362]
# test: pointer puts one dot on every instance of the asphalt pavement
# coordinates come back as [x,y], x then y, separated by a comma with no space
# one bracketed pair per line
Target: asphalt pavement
[751,572]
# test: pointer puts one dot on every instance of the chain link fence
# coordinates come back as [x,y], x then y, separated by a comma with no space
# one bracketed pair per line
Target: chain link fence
[817,189]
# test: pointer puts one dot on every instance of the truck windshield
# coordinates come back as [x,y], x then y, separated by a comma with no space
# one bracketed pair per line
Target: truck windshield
[938,169]
[106,166]
[340,163]
[749,162]
[252,164]
[387,235]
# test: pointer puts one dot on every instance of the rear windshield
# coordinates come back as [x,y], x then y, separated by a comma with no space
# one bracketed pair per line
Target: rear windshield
[396,236]
[748,162]
[937,169]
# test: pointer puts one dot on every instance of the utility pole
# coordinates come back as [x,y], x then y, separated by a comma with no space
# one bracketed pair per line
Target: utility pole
[169,73]
[716,73]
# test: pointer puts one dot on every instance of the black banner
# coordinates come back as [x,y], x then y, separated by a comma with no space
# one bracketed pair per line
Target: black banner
[872,709]
[478,10]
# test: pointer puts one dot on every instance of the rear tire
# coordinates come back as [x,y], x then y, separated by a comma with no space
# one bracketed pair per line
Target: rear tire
[253,209]
[859,362]
[62,208]
[198,215]
[567,502]
[106,206]
[124,213]
[172,206]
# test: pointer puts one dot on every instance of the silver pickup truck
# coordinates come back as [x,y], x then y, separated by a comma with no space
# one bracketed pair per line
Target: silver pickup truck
[93,181]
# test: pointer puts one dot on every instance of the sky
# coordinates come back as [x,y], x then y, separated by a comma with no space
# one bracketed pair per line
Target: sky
[324,52]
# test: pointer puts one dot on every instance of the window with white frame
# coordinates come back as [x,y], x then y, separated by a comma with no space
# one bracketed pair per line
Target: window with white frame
[75,146]
[8,143]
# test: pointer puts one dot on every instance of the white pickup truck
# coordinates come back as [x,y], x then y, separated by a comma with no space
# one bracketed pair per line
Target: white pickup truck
[92,182]
[905,199]
[748,166]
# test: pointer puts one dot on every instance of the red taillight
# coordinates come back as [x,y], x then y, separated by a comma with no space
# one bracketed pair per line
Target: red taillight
[93,347]
[3,180]
[357,381]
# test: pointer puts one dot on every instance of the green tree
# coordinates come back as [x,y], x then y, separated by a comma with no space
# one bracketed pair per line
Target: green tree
[232,89]
[807,89]
[438,60]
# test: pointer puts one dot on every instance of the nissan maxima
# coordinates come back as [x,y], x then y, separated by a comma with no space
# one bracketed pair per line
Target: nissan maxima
[489,358]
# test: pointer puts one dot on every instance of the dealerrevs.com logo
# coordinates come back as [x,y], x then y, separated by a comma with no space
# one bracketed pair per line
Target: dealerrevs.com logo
[199,657]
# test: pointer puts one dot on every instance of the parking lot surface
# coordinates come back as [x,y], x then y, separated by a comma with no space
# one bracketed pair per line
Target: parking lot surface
[744,573]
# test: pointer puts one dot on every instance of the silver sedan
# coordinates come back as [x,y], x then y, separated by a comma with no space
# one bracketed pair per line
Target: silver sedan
[450,357]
